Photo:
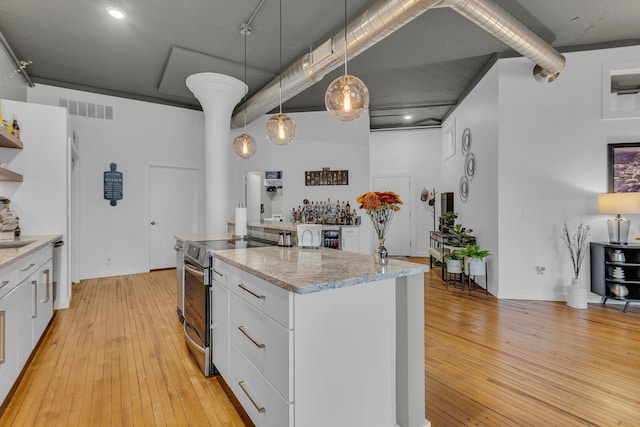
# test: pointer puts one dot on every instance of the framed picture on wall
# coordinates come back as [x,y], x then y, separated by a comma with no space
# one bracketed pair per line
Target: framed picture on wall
[624,167]
[449,140]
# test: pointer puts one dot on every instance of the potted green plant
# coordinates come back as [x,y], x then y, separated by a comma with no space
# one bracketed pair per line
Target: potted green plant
[447,221]
[454,261]
[475,260]
[460,237]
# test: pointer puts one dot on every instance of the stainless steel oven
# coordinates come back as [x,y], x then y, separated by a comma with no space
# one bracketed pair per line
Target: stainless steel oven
[198,267]
[197,288]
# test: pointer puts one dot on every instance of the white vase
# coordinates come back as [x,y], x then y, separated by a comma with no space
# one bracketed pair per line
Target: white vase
[576,295]
[454,266]
[476,266]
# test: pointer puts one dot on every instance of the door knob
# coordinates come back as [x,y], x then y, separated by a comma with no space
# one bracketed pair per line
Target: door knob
[153,223]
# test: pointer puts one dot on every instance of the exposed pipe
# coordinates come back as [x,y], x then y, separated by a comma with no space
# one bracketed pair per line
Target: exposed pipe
[381,20]
[376,23]
[495,20]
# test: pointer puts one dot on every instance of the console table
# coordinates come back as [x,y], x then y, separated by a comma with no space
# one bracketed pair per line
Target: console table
[439,245]
[615,272]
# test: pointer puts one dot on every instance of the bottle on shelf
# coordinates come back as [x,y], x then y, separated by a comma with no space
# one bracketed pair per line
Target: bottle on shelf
[16,127]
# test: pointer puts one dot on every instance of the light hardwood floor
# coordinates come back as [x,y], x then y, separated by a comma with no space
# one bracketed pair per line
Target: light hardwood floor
[117,357]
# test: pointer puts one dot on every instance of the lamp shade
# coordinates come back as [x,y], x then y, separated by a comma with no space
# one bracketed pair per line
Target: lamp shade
[244,145]
[281,129]
[619,203]
[347,98]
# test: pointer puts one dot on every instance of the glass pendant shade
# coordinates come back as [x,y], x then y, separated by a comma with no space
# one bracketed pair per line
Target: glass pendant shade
[244,146]
[347,98]
[281,129]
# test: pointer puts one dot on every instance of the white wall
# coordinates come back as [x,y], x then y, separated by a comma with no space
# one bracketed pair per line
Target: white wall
[321,141]
[479,112]
[140,134]
[41,199]
[551,162]
[418,152]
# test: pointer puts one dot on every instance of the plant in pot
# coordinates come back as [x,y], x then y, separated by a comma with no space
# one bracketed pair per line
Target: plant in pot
[576,242]
[475,260]
[460,238]
[447,221]
[454,261]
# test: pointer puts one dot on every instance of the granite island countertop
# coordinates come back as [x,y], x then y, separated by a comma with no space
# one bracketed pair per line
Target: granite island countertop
[9,255]
[304,271]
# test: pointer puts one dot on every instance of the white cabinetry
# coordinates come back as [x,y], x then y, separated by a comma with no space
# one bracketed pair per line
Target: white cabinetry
[310,360]
[25,312]
[351,239]
[9,318]
[42,287]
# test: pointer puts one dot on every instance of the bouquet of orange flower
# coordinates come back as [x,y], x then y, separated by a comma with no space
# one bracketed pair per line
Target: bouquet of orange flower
[380,207]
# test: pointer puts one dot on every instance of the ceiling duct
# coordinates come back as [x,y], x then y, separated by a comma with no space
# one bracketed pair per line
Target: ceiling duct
[381,20]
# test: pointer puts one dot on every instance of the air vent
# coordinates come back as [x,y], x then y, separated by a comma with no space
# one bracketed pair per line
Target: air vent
[87,109]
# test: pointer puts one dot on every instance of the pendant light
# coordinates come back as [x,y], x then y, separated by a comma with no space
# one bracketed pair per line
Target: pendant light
[244,145]
[281,129]
[347,97]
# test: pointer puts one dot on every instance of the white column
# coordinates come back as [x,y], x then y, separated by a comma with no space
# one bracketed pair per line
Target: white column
[218,95]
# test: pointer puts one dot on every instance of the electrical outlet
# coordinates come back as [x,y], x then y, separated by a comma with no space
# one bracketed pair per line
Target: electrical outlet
[108,261]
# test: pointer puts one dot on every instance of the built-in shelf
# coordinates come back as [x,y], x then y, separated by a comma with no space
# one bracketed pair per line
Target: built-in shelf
[8,140]
[7,175]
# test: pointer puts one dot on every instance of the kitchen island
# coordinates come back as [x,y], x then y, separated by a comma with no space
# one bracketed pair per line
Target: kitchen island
[318,337]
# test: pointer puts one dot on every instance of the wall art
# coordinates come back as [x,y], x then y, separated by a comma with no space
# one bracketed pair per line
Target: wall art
[624,167]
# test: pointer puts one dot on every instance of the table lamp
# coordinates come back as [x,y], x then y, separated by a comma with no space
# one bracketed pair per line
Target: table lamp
[618,204]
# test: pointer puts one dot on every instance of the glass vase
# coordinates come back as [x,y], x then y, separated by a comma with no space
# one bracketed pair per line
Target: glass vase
[381,256]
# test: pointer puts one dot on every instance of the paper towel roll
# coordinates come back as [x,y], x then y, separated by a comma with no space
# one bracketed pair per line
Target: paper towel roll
[241,221]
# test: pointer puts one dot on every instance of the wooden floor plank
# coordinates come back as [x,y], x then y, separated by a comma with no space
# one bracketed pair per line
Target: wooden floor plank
[118,357]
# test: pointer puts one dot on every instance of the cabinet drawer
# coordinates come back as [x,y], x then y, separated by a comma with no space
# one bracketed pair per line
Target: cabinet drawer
[30,264]
[8,281]
[220,272]
[274,301]
[265,343]
[261,401]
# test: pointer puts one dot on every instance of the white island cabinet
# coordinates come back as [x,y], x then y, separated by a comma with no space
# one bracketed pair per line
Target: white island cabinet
[316,338]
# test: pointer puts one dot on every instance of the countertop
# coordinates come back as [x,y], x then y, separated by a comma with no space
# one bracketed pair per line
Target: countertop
[10,255]
[304,271]
[203,237]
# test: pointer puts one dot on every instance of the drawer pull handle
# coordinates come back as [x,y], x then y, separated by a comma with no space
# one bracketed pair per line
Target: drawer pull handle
[4,283]
[258,408]
[3,337]
[218,273]
[34,314]
[256,343]
[48,274]
[244,288]
[28,268]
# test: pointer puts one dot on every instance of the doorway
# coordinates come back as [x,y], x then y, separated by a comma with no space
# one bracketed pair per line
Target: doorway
[174,208]
[399,237]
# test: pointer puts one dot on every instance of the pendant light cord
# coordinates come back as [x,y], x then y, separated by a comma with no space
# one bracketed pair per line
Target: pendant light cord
[280,63]
[345,37]
[245,83]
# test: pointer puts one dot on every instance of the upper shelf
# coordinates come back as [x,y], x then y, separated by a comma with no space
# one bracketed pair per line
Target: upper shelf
[8,140]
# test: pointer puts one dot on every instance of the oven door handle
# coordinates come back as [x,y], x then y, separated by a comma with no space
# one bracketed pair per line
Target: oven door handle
[186,334]
[195,271]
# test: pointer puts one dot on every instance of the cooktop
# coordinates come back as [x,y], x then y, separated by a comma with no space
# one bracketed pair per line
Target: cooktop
[200,251]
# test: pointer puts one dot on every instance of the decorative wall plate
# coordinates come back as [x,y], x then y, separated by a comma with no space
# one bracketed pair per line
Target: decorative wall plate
[470,166]
[464,188]
[466,141]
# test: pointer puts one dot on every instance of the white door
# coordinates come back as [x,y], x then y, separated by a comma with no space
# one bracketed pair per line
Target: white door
[173,209]
[399,234]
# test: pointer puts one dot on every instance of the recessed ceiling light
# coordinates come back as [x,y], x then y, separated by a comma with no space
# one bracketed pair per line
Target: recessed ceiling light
[408,117]
[116,13]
